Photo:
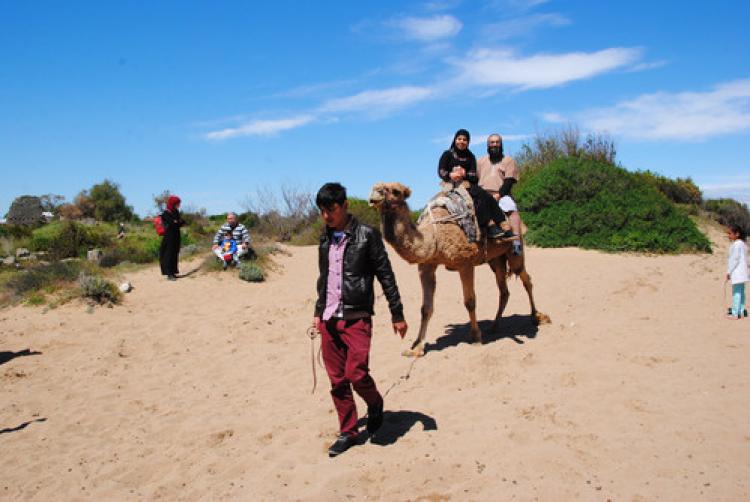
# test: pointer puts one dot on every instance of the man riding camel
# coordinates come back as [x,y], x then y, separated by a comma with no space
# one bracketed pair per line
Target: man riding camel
[497,173]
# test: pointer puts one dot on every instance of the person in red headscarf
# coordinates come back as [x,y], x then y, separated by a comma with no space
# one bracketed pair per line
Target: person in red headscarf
[169,251]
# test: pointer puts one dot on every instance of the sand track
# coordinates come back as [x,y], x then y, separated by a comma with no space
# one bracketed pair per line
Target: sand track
[201,389]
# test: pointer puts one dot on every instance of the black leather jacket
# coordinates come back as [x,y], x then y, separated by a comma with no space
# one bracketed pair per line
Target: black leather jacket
[364,258]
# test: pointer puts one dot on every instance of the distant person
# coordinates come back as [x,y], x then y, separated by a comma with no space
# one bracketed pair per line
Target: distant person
[228,249]
[169,251]
[240,235]
[121,231]
[737,270]
[497,174]
[350,255]
[458,164]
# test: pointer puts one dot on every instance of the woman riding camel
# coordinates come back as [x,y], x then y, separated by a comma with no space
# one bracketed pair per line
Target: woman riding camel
[457,165]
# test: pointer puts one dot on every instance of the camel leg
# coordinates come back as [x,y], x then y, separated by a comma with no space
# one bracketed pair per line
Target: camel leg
[518,268]
[470,302]
[498,266]
[427,278]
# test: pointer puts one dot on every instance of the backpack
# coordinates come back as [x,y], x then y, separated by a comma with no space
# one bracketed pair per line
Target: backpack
[159,225]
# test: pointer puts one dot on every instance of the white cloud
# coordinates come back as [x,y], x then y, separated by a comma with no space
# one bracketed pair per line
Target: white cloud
[427,29]
[522,25]
[503,68]
[685,116]
[647,66]
[738,190]
[260,128]
[379,101]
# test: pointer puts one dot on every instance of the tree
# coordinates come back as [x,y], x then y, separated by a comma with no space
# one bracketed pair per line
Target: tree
[51,202]
[160,200]
[107,202]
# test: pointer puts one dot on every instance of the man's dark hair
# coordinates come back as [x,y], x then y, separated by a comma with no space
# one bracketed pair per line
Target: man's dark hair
[330,194]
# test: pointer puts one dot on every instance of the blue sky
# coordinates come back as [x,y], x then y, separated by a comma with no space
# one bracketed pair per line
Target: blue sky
[213,100]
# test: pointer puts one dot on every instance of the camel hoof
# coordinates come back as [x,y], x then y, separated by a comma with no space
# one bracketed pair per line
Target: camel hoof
[476,337]
[413,353]
[540,318]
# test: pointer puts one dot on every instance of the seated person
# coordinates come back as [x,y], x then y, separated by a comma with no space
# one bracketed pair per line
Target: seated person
[458,164]
[240,235]
[227,251]
[497,173]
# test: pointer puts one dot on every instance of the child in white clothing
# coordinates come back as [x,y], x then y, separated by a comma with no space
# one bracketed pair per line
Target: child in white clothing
[737,270]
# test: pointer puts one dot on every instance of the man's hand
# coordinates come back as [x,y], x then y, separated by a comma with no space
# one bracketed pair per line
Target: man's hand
[457,174]
[400,328]
[214,247]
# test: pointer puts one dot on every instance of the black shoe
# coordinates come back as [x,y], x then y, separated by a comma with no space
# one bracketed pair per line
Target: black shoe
[374,418]
[517,248]
[745,312]
[171,277]
[342,443]
[495,232]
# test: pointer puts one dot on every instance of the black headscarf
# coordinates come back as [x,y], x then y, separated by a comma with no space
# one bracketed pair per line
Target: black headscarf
[458,154]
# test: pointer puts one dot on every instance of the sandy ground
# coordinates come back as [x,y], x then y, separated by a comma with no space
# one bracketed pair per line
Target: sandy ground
[200,389]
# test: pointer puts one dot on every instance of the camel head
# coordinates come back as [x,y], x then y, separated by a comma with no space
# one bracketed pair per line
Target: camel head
[387,197]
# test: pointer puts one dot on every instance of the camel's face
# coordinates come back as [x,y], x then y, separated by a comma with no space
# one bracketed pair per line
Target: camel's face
[388,196]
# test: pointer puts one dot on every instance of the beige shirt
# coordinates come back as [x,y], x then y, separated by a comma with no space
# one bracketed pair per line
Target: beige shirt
[491,176]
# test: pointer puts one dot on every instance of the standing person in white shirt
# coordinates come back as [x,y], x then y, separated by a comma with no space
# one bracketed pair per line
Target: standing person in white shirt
[737,270]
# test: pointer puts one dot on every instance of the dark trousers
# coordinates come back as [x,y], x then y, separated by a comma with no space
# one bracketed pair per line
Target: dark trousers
[346,353]
[485,206]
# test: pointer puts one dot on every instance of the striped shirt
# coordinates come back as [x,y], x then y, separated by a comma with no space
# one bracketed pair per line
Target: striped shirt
[239,234]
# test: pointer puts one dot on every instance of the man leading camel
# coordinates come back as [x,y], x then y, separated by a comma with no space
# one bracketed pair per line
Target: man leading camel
[497,173]
[351,254]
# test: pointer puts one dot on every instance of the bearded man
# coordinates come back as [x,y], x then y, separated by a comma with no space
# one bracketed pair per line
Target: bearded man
[497,173]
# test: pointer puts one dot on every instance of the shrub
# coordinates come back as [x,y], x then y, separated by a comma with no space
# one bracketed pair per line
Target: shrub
[68,239]
[680,190]
[16,231]
[566,142]
[581,202]
[251,272]
[98,289]
[36,278]
[729,212]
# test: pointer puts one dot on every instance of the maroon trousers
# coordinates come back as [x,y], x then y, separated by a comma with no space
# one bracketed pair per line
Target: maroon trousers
[346,353]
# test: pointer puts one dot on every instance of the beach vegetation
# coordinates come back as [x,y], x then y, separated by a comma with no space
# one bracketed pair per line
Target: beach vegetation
[585,202]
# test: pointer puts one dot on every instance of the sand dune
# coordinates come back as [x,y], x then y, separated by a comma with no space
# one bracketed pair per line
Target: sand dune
[201,389]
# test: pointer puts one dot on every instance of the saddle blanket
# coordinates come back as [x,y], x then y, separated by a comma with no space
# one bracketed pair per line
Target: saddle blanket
[458,203]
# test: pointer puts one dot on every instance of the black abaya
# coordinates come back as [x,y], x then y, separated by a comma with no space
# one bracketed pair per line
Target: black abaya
[169,251]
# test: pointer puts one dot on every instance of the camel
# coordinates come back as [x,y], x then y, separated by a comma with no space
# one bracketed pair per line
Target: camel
[433,244]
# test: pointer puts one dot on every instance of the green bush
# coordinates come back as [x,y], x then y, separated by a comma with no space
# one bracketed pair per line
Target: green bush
[68,239]
[98,289]
[251,272]
[729,212]
[582,202]
[36,278]
[679,190]
[16,231]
